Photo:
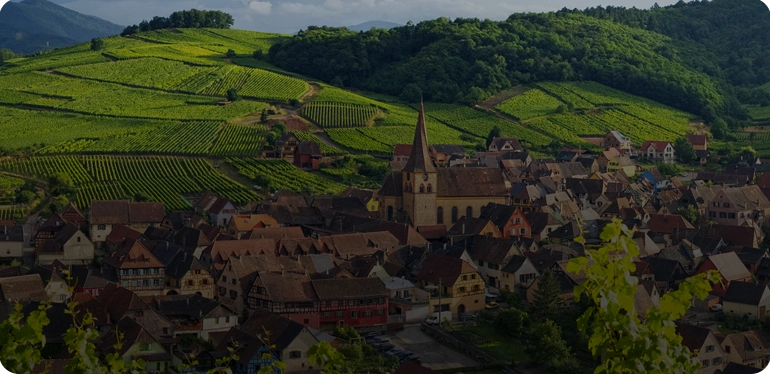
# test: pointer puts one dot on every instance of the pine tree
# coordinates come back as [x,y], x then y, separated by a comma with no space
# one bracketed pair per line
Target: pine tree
[547,300]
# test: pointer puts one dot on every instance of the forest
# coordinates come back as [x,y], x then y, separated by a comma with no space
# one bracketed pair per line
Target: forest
[468,60]
[192,18]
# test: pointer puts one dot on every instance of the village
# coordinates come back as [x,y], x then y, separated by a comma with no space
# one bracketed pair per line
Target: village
[448,240]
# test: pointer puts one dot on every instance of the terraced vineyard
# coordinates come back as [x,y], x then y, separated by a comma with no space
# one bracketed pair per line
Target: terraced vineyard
[258,84]
[285,176]
[334,115]
[533,103]
[240,140]
[325,149]
[164,179]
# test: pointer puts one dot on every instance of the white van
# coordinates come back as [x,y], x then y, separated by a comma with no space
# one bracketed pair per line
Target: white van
[436,319]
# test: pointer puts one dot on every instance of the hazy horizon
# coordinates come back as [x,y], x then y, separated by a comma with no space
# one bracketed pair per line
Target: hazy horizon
[293,15]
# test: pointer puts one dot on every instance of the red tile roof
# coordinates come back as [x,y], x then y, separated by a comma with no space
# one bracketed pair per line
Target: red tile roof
[447,269]
[696,139]
[659,145]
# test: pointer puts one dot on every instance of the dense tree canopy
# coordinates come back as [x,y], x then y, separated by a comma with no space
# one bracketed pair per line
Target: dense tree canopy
[192,18]
[468,59]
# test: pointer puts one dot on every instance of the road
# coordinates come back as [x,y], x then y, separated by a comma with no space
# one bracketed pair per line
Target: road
[28,253]
[433,354]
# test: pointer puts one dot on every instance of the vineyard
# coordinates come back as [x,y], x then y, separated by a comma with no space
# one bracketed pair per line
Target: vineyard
[12,213]
[354,139]
[530,104]
[325,149]
[334,115]
[752,135]
[164,179]
[285,176]
[240,141]
[258,84]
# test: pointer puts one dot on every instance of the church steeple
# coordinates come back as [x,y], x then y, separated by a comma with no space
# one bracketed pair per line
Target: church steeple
[419,159]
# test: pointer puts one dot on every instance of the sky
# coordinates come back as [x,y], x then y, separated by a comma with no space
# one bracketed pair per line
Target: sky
[289,16]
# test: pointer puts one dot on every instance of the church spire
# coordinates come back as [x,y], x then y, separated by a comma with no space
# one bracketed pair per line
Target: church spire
[419,159]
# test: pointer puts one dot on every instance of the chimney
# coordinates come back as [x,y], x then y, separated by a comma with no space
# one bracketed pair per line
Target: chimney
[463,229]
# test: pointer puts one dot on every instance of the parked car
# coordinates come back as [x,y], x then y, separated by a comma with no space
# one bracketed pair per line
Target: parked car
[492,305]
[436,318]
[716,308]
[414,358]
[467,317]
[394,351]
[386,347]
[404,354]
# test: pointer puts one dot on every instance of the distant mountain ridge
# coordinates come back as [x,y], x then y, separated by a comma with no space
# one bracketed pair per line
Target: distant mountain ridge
[35,25]
[366,26]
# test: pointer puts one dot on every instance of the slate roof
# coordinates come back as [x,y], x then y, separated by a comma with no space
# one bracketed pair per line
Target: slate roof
[14,233]
[499,214]
[500,142]
[349,288]
[419,158]
[749,293]
[192,306]
[131,333]
[734,368]
[119,300]
[469,226]
[514,264]
[664,269]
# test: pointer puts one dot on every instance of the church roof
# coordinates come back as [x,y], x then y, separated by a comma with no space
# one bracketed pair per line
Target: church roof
[419,159]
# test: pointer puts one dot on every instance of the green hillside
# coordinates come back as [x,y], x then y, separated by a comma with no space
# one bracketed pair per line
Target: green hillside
[157,97]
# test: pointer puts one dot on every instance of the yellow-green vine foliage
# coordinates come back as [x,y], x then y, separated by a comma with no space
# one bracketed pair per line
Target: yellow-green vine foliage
[618,338]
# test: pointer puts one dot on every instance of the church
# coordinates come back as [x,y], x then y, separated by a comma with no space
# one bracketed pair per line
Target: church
[422,194]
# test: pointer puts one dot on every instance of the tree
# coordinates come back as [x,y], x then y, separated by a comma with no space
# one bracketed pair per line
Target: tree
[258,54]
[263,181]
[690,213]
[6,54]
[412,93]
[668,170]
[494,133]
[547,299]
[140,197]
[58,203]
[546,346]
[684,150]
[324,356]
[263,116]
[511,321]
[337,82]
[231,54]
[97,44]
[618,338]
[232,95]
[719,128]
[25,197]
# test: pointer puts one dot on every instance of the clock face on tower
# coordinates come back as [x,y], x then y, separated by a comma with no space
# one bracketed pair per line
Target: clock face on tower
[425,177]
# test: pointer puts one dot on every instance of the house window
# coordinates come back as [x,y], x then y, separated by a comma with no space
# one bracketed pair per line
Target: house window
[351,302]
[227,319]
[354,314]
[125,283]
[462,289]
[224,278]
[78,239]
[727,349]
[454,214]
[726,205]
[469,212]
[380,312]
[233,294]
[139,313]
[222,291]
[705,363]
[709,348]
[465,277]
[368,313]
[522,231]
[327,314]
[102,227]
[440,215]
[716,204]
[722,215]
[190,282]
[430,188]
[473,276]
[232,281]
[731,215]
[713,214]
[481,263]
[516,221]
[295,354]
[475,288]
[216,321]
[716,361]
[145,347]
[422,188]
[340,314]
[205,282]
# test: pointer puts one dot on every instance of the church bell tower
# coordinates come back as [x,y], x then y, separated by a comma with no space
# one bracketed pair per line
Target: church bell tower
[419,178]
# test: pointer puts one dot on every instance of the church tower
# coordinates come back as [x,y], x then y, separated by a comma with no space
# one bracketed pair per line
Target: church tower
[419,178]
